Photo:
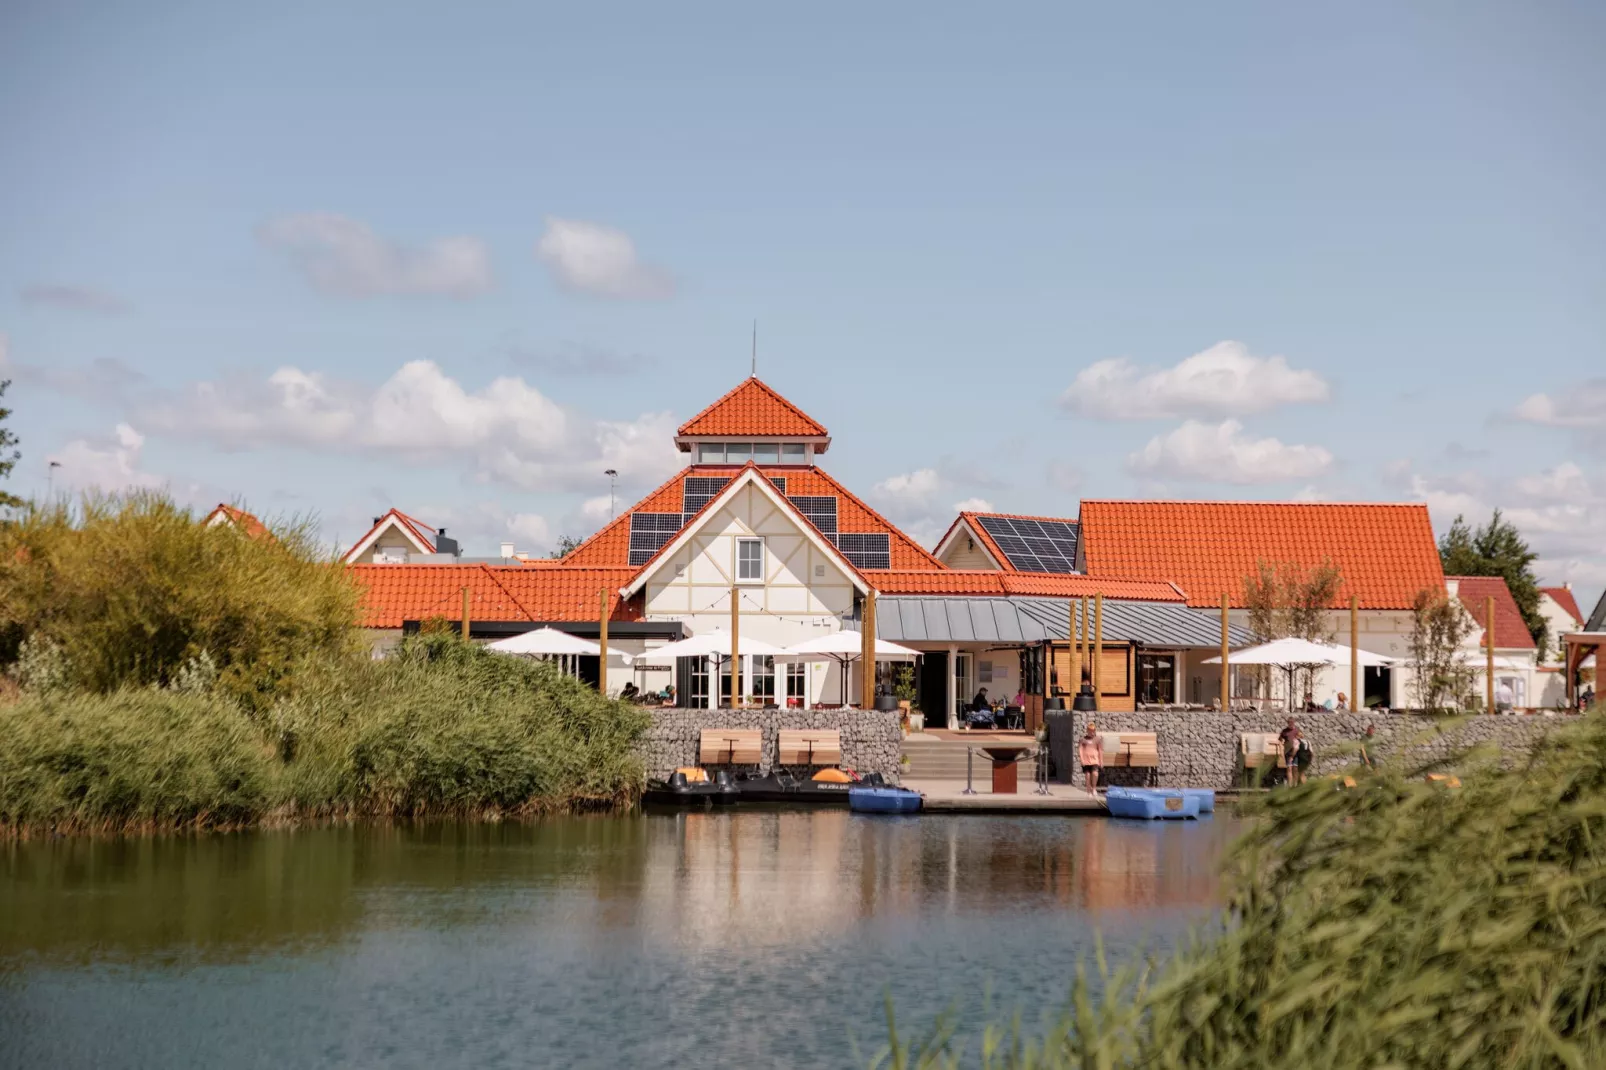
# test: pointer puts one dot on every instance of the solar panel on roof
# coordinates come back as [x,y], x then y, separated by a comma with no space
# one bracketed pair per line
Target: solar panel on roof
[820,509]
[698,491]
[865,549]
[780,483]
[649,532]
[1034,545]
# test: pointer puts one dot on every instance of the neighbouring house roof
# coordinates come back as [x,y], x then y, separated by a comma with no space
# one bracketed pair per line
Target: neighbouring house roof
[977,525]
[1563,597]
[1025,620]
[416,531]
[238,519]
[988,582]
[1386,551]
[610,547]
[395,594]
[1597,618]
[754,410]
[1510,631]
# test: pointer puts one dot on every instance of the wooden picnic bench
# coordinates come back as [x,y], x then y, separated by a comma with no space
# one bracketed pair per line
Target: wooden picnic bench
[809,746]
[1131,750]
[1260,750]
[731,746]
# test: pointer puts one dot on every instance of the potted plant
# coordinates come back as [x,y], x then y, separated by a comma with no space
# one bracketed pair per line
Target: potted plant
[903,685]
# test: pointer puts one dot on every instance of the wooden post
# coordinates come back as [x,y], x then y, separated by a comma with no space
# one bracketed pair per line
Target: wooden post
[1355,702]
[465,614]
[867,654]
[602,655]
[1098,651]
[1226,644]
[1078,626]
[1488,637]
[736,657]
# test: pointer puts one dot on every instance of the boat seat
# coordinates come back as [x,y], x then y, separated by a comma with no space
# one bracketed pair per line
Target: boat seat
[731,746]
[809,746]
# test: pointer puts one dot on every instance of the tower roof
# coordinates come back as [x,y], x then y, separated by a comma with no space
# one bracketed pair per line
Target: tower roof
[753,410]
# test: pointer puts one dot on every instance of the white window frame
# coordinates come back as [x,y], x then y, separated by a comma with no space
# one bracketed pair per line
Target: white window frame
[741,540]
[710,453]
[738,452]
[768,448]
[794,453]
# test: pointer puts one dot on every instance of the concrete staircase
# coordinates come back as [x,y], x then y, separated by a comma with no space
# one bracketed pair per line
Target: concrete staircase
[942,759]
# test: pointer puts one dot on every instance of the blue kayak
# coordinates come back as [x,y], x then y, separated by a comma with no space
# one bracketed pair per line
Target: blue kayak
[884,800]
[1152,804]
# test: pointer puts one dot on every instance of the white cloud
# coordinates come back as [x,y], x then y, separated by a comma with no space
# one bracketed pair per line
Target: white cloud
[1222,453]
[1064,476]
[908,489]
[1583,407]
[507,431]
[344,257]
[595,259]
[974,505]
[103,464]
[597,511]
[1224,380]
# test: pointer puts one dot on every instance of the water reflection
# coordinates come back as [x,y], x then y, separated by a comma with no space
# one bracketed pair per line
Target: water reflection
[716,939]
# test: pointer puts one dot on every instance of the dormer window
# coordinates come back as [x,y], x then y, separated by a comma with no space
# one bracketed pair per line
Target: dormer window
[738,453]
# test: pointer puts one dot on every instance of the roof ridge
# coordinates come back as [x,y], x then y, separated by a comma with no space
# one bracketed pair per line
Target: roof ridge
[753,380]
[510,595]
[1019,516]
[1246,501]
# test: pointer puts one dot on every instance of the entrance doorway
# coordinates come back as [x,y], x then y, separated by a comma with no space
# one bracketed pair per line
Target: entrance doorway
[1377,685]
[933,686]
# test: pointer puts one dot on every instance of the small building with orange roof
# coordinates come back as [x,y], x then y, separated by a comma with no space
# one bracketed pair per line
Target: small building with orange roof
[232,516]
[1519,682]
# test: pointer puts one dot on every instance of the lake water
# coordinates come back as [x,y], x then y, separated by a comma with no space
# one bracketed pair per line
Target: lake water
[763,938]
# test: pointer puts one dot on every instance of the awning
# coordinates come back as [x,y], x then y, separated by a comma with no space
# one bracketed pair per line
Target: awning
[906,619]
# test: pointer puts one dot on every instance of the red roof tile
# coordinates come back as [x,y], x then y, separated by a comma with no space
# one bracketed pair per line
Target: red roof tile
[610,547]
[1386,552]
[1563,597]
[1510,631]
[1000,584]
[753,408]
[397,593]
[239,519]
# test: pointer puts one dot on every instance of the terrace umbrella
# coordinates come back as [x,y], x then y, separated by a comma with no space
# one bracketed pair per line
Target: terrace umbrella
[1290,654]
[844,648]
[714,644]
[549,642]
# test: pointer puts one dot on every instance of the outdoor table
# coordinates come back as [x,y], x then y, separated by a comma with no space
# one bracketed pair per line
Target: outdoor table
[1003,756]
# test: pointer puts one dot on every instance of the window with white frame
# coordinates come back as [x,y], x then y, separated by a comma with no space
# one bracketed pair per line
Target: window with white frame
[711,453]
[796,681]
[764,679]
[792,453]
[767,452]
[738,452]
[749,560]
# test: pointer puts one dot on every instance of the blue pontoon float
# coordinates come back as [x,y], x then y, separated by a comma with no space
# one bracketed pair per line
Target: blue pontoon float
[884,800]
[1154,804]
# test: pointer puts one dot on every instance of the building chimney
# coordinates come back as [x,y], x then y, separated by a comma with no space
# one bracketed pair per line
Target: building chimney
[507,551]
[377,519]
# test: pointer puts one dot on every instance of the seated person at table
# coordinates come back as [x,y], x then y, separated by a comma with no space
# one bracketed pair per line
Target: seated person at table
[981,711]
[1019,699]
[629,693]
[980,702]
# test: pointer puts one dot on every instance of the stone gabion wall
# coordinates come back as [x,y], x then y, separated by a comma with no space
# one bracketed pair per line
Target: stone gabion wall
[1200,750]
[870,740]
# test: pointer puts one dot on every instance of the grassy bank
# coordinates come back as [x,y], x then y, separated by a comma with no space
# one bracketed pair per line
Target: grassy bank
[1400,924]
[440,728]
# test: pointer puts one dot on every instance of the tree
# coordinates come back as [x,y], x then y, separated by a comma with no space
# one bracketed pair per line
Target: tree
[1288,601]
[8,441]
[1497,549]
[1439,627]
[566,543]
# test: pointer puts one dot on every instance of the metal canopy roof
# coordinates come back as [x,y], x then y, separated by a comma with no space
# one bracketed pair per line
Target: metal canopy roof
[907,619]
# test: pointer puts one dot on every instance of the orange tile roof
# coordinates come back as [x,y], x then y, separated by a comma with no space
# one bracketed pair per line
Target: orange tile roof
[610,547]
[1510,630]
[973,522]
[753,408]
[1563,597]
[417,528]
[1386,552]
[394,594]
[240,519]
[1000,584]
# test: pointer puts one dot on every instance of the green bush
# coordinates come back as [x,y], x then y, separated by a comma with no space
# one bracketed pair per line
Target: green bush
[1398,924]
[127,591]
[131,759]
[445,727]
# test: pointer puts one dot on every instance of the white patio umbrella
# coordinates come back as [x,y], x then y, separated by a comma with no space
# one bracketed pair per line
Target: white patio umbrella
[1290,654]
[844,648]
[549,642]
[1479,659]
[714,644]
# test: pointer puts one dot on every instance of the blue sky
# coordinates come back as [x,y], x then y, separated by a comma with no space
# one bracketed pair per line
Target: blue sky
[459,261]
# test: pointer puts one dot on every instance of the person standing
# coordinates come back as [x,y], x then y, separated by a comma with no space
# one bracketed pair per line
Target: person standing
[1366,741]
[1290,737]
[1090,753]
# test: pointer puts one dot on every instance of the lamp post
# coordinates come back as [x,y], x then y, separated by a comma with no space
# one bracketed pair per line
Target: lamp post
[613,487]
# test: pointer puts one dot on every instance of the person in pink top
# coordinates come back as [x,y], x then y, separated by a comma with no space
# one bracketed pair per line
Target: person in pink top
[1090,752]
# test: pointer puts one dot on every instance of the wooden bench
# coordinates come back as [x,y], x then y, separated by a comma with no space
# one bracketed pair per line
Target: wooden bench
[1260,750]
[731,746]
[809,746]
[1131,750]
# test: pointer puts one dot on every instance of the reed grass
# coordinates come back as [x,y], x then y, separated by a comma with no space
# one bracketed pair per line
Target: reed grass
[1399,924]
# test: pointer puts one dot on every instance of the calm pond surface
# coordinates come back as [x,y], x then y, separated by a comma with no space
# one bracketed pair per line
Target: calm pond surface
[702,939]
